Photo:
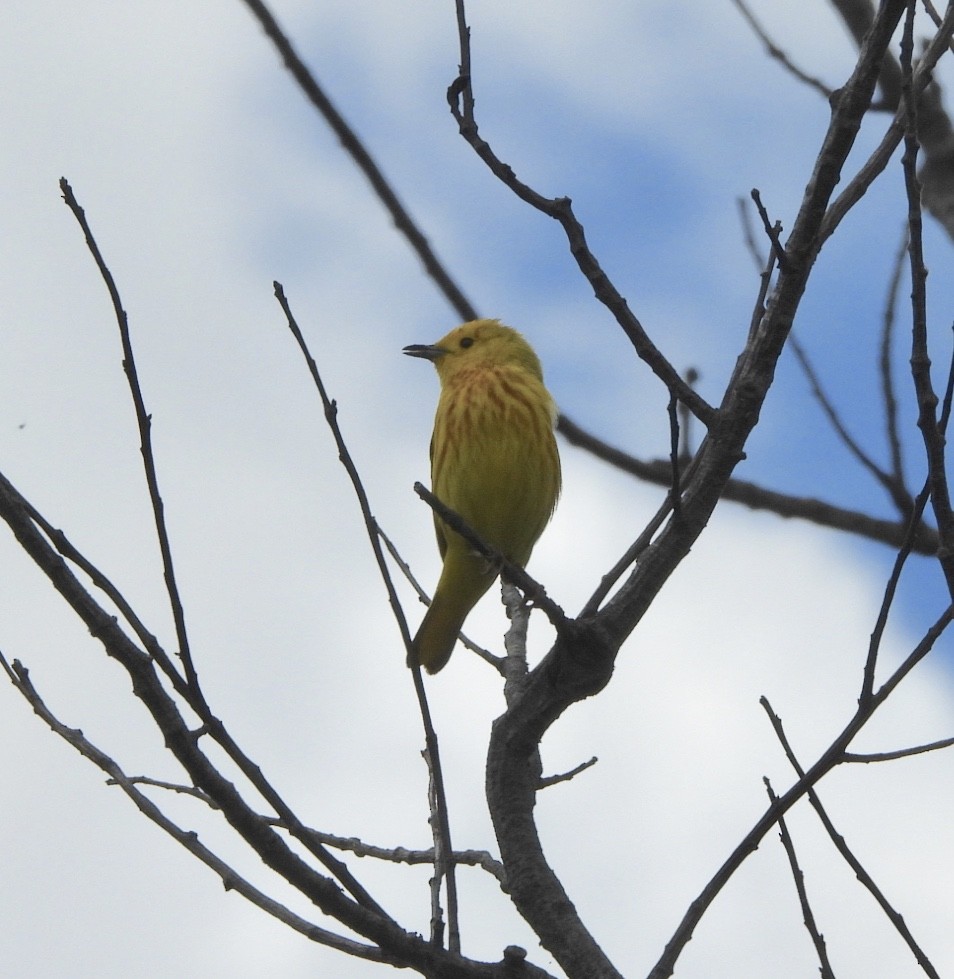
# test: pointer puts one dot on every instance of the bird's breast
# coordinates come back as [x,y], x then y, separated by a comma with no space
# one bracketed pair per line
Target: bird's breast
[494,456]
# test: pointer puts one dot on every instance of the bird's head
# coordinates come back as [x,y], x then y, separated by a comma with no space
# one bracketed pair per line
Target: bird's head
[475,344]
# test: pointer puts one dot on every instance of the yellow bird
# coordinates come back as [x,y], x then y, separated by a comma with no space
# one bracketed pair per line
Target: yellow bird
[494,462]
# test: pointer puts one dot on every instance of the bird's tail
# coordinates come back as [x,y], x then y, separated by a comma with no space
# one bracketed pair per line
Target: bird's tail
[464,579]
[437,635]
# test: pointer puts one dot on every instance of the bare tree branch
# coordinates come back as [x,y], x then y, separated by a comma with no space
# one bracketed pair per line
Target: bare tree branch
[362,916]
[833,756]
[756,497]
[774,51]
[513,572]
[144,421]
[747,493]
[825,970]
[856,188]
[858,16]
[460,97]
[193,695]
[150,643]
[934,441]
[351,844]
[867,759]
[14,507]
[403,221]
[897,493]
[935,130]
[581,662]
[849,857]
[443,868]
[886,370]
[892,482]
[232,880]
[549,780]
[877,634]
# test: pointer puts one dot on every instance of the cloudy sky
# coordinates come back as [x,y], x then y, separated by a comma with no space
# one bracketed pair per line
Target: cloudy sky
[205,177]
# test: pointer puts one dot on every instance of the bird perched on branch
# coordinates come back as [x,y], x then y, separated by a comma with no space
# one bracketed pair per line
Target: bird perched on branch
[494,462]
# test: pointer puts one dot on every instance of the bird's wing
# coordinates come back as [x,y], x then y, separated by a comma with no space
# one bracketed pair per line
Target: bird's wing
[439,531]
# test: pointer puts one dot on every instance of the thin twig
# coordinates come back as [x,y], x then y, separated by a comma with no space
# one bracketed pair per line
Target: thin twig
[936,17]
[849,857]
[830,758]
[774,51]
[460,98]
[773,232]
[658,472]
[549,780]
[934,443]
[610,579]
[857,187]
[914,657]
[907,545]
[674,460]
[904,551]
[888,481]
[529,586]
[22,517]
[349,844]
[766,268]
[886,369]
[176,787]
[402,855]
[685,420]
[921,749]
[232,880]
[894,579]
[144,421]
[748,232]
[443,861]
[808,917]
[69,551]
[330,412]
[364,161]
[371,526]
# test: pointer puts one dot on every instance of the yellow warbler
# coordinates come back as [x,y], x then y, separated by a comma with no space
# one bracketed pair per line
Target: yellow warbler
[494,462]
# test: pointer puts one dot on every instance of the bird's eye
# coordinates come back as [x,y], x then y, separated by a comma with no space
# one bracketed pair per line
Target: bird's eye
[467,342]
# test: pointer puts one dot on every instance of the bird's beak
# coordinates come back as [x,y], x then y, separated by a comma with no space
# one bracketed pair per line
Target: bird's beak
[427,351]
